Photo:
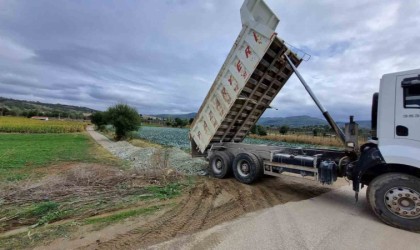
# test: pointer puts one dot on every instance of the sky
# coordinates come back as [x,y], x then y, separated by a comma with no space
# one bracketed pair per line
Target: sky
[162,56]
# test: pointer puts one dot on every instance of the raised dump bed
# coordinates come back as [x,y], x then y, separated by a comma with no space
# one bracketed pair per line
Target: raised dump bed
[253,73]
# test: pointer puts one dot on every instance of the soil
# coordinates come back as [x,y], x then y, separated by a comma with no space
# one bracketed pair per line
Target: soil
[208,203]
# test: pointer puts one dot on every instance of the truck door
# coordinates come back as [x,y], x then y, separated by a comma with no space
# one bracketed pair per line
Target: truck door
[407,107]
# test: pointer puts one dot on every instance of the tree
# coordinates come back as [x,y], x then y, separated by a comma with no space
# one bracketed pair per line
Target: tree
[124,119]
[315,132]
[180,122]
[191,121]
[261,130]
[253,129]
[258,130]
[283,129]
[99,119]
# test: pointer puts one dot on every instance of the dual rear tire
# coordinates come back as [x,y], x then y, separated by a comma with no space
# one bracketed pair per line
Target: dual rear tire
[246,167]
[220,164]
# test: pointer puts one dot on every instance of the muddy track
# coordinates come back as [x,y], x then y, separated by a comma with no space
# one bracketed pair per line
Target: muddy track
[208,203]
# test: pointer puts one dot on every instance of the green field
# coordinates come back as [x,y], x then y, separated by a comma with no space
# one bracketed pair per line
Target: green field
[21,154]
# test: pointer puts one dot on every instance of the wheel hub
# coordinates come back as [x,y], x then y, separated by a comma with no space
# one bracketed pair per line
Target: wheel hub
[243,168]
[219,164]
[403,202]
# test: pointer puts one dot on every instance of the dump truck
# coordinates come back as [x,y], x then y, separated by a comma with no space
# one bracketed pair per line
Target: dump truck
[255,70]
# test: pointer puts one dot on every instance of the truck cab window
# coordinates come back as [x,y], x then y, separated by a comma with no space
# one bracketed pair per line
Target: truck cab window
[412,96]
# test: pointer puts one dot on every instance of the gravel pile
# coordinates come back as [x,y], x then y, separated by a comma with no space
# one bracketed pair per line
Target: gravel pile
[149,157]
[184,163]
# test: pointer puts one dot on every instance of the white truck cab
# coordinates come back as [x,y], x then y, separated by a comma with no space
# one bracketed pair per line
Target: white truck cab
[398,118]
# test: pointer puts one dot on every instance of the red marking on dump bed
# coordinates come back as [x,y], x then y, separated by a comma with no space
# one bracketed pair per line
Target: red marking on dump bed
[257,37]
[248,51]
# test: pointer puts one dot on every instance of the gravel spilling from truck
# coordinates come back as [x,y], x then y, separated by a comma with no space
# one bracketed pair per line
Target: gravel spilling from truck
[147,158]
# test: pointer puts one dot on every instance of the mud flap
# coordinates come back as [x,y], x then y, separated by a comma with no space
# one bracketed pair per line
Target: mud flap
[370,157]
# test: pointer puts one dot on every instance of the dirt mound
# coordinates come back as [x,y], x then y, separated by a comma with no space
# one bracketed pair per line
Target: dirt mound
[209,203]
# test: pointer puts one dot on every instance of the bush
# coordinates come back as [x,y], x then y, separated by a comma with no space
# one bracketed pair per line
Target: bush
[124,119]
[99,119]
[283,130]
[261,130]
[258,130]
[180,122]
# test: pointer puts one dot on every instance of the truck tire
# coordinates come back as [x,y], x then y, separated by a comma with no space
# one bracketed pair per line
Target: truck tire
[220,164]
[395,199]
[247,168]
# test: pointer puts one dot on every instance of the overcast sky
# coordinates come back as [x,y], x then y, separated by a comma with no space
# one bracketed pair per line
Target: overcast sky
[163,56]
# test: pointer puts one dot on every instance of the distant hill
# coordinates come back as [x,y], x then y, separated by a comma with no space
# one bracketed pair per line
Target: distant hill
[182,116]
[21,107]
[362,124]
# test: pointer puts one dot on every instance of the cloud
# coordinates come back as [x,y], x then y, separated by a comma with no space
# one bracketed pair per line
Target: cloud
[13,51]
[163,56]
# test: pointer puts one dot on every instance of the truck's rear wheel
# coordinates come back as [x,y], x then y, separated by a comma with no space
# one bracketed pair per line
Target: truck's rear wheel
[221,164]
[247,168]
[395,199]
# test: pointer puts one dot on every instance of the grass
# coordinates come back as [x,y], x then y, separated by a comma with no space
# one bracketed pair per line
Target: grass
[43,212]
[123,215]
[27,125]
[37,236]
[42,235]
[21,154]
[169,191]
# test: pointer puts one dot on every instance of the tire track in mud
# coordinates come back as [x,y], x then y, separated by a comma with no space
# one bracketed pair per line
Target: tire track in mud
[208,203]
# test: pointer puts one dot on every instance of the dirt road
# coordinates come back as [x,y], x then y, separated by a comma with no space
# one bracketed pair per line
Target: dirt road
[211,202]
[208,202]
[330,221]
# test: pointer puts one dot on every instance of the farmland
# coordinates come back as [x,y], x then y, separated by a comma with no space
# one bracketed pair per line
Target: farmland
[22,155]
[26,125]
[178,137]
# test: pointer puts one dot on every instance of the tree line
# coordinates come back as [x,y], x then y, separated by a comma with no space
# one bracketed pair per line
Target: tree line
[34,112]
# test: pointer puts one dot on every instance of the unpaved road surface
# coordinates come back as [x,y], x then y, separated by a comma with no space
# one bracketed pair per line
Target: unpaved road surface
[330,221]
[209,202]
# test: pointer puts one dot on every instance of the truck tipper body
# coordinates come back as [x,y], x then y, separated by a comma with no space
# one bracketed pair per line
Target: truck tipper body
[253,73]
[257,67]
